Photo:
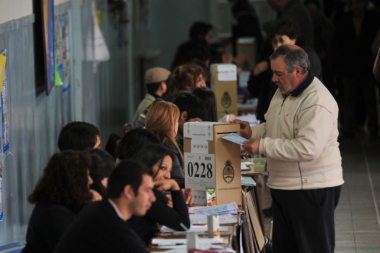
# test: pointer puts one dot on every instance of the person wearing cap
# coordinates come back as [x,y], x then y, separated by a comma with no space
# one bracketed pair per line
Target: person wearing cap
[155,81]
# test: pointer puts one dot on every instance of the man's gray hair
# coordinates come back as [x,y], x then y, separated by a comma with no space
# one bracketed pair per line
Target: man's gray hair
[292,58]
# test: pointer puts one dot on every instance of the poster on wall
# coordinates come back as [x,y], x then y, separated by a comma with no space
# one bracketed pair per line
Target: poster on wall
[4,116]
[2,80]
[62,51]
[47,12]
[1,196]
[4,111]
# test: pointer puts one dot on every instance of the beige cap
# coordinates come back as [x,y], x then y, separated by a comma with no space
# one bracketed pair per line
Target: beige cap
[156,75]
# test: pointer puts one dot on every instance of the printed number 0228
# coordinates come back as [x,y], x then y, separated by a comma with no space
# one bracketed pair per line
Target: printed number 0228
[202,170]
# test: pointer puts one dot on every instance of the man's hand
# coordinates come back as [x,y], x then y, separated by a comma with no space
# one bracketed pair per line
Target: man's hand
[252,146]
[245,128]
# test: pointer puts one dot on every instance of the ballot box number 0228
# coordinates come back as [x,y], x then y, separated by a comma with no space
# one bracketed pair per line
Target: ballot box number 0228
[212,162]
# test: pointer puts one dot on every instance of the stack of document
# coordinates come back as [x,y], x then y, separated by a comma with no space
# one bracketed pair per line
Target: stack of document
[193,228]
[223,219]
[247,181]
[228,208]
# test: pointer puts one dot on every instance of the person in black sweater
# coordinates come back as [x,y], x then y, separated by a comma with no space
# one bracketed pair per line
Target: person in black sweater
[60,193]
[260,83]
[101,226]
[197,47]
[169,210]
[353,61]
[102,166]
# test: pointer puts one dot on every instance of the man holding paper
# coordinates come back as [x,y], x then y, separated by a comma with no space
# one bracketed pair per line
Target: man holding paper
[304,163]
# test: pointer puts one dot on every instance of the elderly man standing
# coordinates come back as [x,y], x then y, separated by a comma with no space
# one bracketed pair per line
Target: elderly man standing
[299,140]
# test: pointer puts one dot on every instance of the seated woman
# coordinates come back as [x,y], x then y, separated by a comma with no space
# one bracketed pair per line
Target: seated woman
[139,138]
[61,192]
[170,212]
[162,119]
[102,166]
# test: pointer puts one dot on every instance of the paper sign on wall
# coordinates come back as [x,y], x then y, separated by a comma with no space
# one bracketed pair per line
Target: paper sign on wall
[3,60]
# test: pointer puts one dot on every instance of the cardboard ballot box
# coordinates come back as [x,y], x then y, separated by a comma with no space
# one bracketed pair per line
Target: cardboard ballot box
[247,46]
[224,84]
[210,161]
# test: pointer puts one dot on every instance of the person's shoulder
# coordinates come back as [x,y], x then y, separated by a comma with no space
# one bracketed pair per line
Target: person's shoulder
[319,93]
[56,209]
[95,209]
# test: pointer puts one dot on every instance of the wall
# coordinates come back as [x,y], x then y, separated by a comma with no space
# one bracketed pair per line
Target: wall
[171,21]
[15,9]
[106,98]
[34,125]
[35,122]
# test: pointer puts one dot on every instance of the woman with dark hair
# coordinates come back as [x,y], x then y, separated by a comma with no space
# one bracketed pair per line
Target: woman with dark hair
[209,99]
[160,159]
[133,140]
[61,192]
[139,138]
[102,166]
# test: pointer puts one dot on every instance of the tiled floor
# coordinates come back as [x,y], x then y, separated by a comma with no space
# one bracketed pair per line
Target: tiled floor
[357,221]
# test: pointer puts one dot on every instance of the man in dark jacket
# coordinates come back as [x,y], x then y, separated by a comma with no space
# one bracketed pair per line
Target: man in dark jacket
[102,226]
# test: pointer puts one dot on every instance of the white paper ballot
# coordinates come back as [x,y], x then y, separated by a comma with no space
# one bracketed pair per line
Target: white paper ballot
[202,219]
[245,165]
[235,138]
[227,208]
[179,241]
[193,228]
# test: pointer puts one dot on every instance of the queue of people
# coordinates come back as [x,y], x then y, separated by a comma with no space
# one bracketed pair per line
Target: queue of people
[90,201]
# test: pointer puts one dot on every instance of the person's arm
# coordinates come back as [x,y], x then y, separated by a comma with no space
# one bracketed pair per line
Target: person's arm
[55,223]
[250,132]
[170,217]
[376,66]
[177,172]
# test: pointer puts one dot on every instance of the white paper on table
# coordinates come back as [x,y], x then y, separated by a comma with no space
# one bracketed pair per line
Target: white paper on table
[183,248]
[179,241]
[173,249]
[245,165]
[218,209]
[193,228]
[202,219]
